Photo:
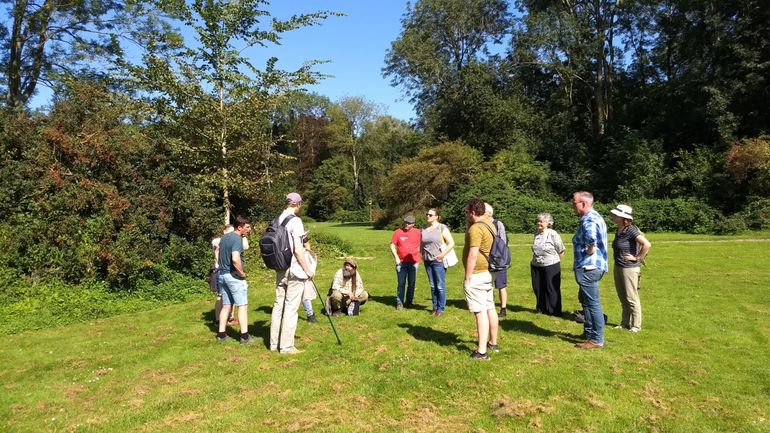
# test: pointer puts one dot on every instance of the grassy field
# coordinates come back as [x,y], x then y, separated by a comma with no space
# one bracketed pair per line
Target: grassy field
[699,365]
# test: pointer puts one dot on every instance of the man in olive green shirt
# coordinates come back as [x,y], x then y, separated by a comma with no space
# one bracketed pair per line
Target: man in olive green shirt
[477,284]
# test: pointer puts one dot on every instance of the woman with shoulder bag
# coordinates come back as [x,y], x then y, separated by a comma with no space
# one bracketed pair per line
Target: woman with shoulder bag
[436,246]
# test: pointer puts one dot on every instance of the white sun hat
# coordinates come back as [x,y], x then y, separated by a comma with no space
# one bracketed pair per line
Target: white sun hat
[623,211]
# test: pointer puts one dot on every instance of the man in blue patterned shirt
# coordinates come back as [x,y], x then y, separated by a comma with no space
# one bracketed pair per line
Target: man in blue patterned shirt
[590,251]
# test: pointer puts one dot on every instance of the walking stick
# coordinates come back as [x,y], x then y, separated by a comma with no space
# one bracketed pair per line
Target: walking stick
[328,314]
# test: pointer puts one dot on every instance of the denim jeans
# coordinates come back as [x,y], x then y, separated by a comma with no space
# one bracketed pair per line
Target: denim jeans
[437,281]
[588,295]
[406,271]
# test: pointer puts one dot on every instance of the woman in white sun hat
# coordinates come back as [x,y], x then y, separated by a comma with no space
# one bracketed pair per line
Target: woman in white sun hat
[628,249]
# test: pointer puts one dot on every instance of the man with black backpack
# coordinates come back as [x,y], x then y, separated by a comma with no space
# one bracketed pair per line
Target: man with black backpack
[285,232]
[477,285]
[501,277]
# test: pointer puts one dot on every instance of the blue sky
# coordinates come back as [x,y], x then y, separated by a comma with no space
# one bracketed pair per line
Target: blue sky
[354,44]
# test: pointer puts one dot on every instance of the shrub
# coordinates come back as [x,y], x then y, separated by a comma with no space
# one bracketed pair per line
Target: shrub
[351,216]
[323,242]
[757,214]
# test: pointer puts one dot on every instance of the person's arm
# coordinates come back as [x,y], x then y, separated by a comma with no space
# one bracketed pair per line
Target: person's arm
[589,236]
[395,253]
[237,265]
[449,241]
[359,285]
[642,253]
[473,254]
[337,281]
[558,243]
[299,254]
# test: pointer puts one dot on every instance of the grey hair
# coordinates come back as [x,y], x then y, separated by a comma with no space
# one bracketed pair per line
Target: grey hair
[547,218]
[488,209]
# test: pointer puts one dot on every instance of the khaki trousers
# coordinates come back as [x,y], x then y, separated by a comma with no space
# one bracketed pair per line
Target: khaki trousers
[627,286]
[283,322]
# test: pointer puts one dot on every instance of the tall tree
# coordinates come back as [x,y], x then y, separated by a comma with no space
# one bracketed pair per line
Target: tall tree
[224,99]
[51,39]
[438,40]
[350,117]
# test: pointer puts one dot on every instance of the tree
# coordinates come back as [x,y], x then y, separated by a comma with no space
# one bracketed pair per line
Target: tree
[51,39]
[427,179]
[439,39]
[222,100]
[350,117]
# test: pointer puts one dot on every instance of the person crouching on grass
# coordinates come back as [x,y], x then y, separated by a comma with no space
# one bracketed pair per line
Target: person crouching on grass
[347,287]
[478,280]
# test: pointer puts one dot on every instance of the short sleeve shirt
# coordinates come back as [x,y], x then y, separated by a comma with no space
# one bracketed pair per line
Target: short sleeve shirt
[625,243]
[478,235]
[296,230]
[407,244]
[229,243]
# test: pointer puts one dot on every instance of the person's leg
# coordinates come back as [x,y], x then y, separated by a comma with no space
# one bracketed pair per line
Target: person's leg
[294,291]
[631,282]
[217,308]
[594,316]
[482,331]
[492,317]
[440,276]
[363,297]
[307,304]
[278,308]
[336,300]
[620,288]
[547,295]
[227,304]
[552,279]
[503,298]
[430,272]
[535,272]
[401,276]
[411,275]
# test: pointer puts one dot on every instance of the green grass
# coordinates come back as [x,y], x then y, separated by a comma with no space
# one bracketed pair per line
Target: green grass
[699,365]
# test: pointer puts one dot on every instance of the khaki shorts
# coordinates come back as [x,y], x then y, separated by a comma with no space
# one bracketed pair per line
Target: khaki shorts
[479,294]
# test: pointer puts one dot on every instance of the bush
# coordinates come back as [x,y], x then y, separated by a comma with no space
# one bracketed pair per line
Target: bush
[351,216]
[757,214]
[325,243]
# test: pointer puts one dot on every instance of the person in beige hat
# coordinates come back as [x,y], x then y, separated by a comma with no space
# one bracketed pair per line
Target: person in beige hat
[628,249]
[347,287]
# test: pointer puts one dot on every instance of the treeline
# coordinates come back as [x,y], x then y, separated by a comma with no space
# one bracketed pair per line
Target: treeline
[141,158]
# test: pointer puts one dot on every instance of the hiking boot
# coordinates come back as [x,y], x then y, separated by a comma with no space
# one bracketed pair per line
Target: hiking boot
[311,319]
[336,313]
[493,347]
[439,313]
[502,313]
[476,356]
[223,339]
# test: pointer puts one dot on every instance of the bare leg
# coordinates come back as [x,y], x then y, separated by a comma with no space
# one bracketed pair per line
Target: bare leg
[482,330]
[223,315]
[493,324]
[243,318]
[504,297]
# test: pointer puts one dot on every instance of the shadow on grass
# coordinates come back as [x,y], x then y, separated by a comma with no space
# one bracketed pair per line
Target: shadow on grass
[423,333]
[391,302]
[256,328]
[525,327]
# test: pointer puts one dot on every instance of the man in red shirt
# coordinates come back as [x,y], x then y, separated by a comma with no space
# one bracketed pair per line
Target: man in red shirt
[405,246]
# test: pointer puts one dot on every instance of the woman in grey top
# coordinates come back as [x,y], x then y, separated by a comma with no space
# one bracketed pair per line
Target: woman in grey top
[436,242]
[547,250]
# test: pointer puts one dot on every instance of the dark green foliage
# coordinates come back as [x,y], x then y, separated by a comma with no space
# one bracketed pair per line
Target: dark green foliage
[329,244]
[756,215]
[100,200]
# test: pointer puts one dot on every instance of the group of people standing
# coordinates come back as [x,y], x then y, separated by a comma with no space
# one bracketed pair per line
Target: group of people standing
[434,243]
[434,246]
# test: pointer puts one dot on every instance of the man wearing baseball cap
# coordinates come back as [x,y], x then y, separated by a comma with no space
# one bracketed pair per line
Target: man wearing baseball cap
[290,283]
[405,246]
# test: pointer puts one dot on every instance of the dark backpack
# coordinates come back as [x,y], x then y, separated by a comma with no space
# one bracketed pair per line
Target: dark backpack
[275,246]
[499,257]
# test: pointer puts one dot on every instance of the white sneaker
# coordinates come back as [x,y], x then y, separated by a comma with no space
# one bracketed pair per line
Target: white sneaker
[634,329]
[290,351]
